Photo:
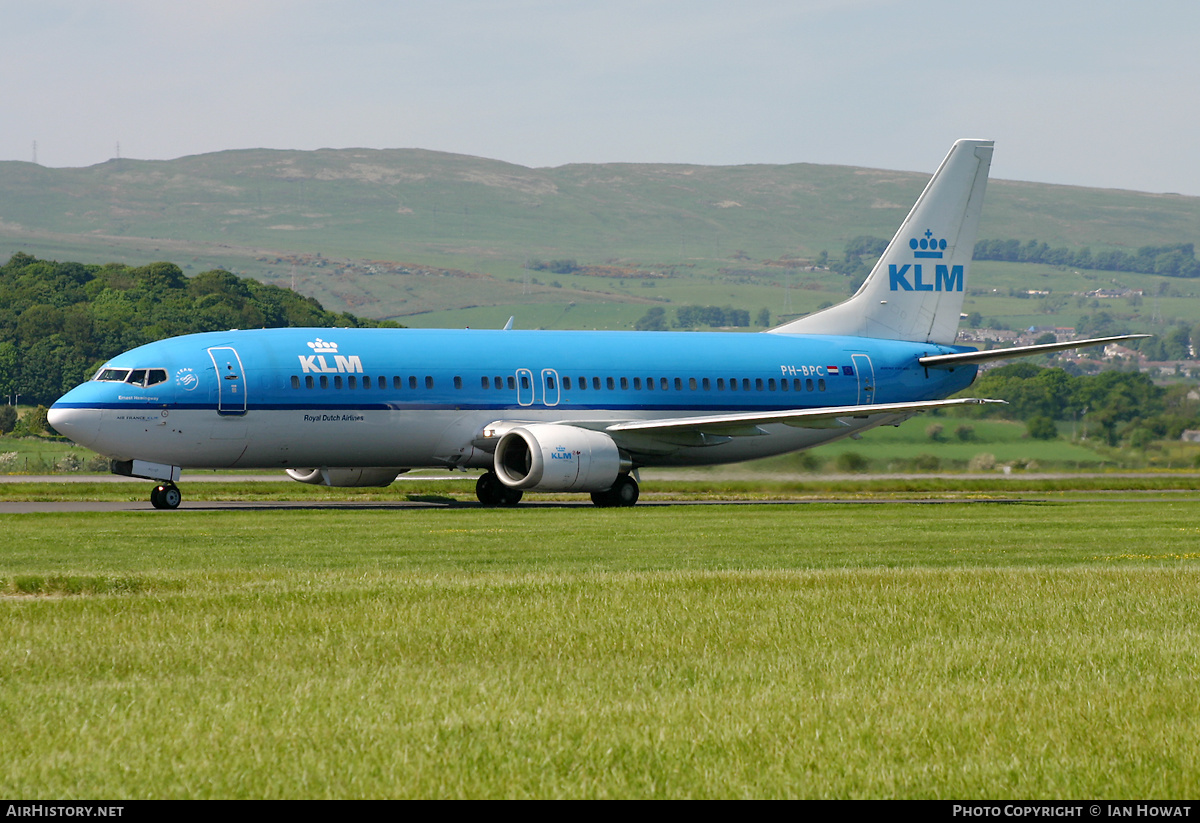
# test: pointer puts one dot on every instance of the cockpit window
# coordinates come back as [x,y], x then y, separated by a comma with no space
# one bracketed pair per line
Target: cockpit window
[136,377]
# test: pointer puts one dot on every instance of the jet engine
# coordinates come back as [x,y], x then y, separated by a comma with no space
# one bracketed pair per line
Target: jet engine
[345,477]
[553,457]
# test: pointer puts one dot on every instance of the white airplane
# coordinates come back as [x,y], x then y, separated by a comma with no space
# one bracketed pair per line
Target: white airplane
[562,411]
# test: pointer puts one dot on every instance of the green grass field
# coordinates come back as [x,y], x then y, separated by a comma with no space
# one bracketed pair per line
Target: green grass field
[1027,649]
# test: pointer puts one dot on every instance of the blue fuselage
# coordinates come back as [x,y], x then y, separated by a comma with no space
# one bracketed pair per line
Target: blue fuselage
[411,397]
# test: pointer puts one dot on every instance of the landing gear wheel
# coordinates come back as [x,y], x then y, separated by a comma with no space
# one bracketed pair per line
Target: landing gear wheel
[491,492]
[624,492]
[166,496]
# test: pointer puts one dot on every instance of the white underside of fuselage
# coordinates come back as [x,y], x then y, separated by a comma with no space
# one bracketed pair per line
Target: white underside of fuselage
[262,439]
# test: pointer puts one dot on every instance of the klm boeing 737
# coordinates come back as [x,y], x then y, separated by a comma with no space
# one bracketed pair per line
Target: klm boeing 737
[562,411]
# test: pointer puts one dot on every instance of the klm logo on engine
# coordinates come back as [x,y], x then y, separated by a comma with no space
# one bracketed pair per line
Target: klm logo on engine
[561,453]
[316,362]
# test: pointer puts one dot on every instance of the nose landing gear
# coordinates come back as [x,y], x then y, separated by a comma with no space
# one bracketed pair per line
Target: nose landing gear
[166,496]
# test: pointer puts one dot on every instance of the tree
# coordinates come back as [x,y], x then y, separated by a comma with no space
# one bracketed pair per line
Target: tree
[1042,428]
[35,420]
[655,319]
[8,418]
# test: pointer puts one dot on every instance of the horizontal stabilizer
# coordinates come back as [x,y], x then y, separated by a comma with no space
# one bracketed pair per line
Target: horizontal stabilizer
[963,358]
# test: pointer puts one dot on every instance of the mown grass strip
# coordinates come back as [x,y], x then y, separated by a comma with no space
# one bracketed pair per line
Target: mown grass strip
[821,650]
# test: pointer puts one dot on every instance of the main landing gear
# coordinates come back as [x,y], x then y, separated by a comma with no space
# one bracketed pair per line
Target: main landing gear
[166,496]
[624,492]
[491,492]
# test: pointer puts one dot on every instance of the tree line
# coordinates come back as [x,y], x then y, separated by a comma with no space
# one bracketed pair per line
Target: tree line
[691,317]
[1173,260]
[60,321]
[1114,406]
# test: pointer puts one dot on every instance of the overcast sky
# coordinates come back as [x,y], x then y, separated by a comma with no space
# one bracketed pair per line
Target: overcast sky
[1082,92]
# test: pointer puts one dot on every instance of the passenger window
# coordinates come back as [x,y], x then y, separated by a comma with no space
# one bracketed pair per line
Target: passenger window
[821,384]
[808,386]
[428,382]
[295,381]
[457,382]
[352,382]
[707,384]
[624,383]
[566,382]
[308,381]
[337,381]
[608,381]
[324,382]
[524,381]
[637,384]
[412,381]
[366,382]
[596,383]
[483,381]
[396,382]
[678,384]
[746,384]
[512,382]
[662,383]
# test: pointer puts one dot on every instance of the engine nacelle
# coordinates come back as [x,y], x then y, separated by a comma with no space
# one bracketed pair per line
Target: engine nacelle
[553,457]
[345,477]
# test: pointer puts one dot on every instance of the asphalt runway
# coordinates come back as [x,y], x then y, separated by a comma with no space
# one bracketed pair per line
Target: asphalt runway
[431,502]
[68,507]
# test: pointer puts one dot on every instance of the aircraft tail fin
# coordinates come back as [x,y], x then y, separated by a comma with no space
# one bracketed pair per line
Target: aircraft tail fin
[915,292]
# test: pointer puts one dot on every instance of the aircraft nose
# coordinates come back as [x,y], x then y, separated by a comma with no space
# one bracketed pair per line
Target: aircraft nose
[79,425]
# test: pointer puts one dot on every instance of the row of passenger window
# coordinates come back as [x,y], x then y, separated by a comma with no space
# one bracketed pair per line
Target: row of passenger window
[352,381]
[733,384]
[692,384]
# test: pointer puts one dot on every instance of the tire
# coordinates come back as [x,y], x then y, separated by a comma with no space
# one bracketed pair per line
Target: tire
[624,492]
[491,492]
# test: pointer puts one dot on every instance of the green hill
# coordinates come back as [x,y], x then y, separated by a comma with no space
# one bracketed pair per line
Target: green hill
[435,238]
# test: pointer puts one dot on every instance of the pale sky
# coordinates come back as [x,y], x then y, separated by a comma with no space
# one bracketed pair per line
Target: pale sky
[1081,92]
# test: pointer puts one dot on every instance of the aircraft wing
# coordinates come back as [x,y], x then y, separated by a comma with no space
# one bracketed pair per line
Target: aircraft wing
[747,424]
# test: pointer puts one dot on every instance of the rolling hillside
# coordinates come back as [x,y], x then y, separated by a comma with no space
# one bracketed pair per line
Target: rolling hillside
[432,238]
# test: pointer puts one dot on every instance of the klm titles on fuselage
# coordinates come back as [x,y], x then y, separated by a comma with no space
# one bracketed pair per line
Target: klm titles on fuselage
[945,278]
[316,363]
